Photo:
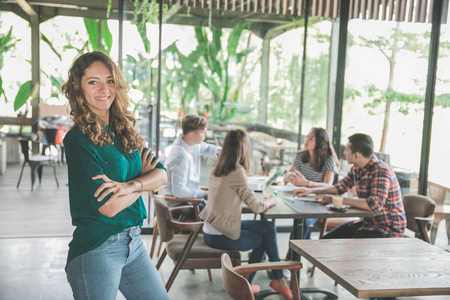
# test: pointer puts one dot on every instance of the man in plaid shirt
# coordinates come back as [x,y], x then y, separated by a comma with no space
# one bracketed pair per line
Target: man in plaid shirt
[378,191]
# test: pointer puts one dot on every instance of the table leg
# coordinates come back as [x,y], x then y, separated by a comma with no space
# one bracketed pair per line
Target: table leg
[298,234]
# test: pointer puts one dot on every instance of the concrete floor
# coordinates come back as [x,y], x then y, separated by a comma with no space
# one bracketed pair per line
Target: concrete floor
[35,229]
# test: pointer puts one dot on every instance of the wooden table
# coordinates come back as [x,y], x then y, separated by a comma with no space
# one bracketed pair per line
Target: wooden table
[299,211]
[380,268]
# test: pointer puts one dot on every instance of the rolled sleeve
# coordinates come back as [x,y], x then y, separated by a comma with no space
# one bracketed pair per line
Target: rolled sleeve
[379,192]
[345,184]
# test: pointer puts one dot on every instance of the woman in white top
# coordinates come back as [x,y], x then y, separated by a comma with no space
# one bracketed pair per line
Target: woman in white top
[228,190]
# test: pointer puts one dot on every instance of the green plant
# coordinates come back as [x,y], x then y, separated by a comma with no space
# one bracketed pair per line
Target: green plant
[203,79]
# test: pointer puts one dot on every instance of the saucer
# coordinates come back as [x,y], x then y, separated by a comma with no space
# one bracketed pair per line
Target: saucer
[342,209]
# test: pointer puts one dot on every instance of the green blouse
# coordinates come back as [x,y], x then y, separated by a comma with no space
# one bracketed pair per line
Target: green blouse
[85,160]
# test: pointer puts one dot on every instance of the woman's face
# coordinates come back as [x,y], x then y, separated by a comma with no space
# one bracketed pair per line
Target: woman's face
[310,142]
[99,89]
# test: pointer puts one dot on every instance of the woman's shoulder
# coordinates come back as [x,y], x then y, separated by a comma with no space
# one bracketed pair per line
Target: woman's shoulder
[74,138]
[237,175]
[72,135]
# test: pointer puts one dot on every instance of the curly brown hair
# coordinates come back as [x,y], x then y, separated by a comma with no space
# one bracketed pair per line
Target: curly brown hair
[86,121]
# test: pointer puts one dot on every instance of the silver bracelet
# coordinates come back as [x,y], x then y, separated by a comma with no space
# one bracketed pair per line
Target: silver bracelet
[142,185]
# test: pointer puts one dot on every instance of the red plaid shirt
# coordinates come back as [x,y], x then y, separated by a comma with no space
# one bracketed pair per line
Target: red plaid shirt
[377,183]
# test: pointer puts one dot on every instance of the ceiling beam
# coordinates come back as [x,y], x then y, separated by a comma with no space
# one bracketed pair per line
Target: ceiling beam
[27,8]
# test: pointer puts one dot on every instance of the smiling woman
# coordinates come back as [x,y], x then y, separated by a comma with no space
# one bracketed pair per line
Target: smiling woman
[99,90]
[108,169]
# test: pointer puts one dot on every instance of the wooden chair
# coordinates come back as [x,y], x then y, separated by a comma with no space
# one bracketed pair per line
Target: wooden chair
[191,204]
[36,163]
[419,212]
[235,278]
[188,251]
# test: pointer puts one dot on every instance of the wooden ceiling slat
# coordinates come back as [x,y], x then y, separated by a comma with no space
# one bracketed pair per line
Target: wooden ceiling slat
[430,12]
[285,7]
[301,7]
[350,9]
[390,7]
[383,9]
[376,9]
[423,11]
[403,10]
[370,10]
[327,12]
[363,9]
[411,10]
[293,7]
[335,9]
[356,9]
[397,10]
[320,11]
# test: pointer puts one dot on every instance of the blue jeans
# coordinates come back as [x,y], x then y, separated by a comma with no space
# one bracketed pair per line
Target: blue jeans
[259,236]
[120,263]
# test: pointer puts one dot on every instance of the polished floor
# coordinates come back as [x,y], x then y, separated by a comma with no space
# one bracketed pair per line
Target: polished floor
[35,229]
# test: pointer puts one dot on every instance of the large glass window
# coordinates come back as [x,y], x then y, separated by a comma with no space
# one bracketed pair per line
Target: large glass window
[285,79]
[385,81]
[438,179]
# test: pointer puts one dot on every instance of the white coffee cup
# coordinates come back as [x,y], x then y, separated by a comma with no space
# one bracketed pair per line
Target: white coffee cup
[337,201]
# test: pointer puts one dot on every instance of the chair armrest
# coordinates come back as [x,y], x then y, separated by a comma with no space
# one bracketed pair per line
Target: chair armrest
[186,200]
[185,226]
[179,208]
[246,270]
[204,188]
[428,219]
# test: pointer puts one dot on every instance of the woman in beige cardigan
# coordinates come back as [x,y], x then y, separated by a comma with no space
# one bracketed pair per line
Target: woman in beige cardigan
[228,190]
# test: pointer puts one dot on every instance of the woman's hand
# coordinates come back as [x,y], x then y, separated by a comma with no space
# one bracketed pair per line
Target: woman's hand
[296,178]
[147,164]
[110,186]
[270,201]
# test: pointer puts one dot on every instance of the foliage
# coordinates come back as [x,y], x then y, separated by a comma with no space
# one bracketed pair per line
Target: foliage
[7,43]
[23,95]
[92,27]
[146,11]
[208,67]
[379,97]
[391,45]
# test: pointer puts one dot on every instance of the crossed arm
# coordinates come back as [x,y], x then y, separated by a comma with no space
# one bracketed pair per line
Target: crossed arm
[126,193]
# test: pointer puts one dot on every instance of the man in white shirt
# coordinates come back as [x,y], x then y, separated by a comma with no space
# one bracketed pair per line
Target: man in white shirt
[183,161]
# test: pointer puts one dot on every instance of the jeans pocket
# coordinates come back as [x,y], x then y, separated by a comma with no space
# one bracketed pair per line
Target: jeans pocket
[110,241]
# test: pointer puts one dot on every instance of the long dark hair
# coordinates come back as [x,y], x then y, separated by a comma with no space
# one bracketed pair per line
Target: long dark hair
[236,150]
[322,150]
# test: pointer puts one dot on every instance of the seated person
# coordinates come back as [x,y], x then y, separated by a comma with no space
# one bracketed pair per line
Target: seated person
[228,190]
[314,166]
[377,189]
[183,161]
